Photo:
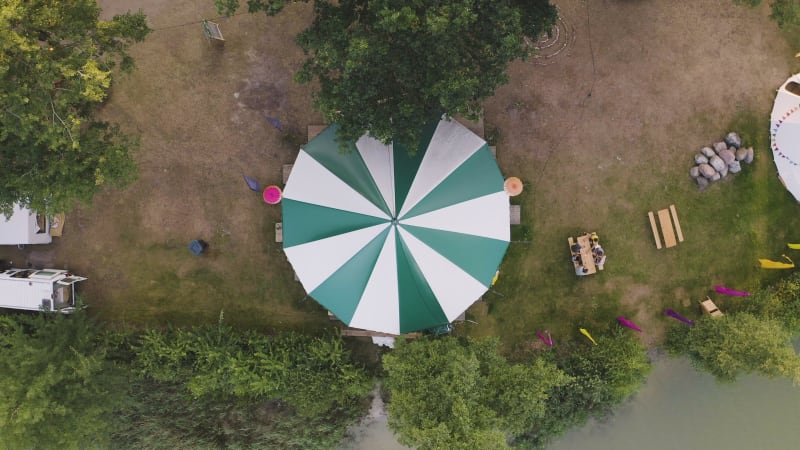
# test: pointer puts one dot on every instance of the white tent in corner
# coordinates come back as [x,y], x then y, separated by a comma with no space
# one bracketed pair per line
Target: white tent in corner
[785,134]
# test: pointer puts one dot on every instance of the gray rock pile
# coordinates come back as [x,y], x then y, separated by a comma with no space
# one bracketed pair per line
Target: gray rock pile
[716,162]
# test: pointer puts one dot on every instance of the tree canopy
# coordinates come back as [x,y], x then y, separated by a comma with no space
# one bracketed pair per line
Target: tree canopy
[603,376]
[737,344]
[388,68]
[448,393]
[56,61]
[57,390]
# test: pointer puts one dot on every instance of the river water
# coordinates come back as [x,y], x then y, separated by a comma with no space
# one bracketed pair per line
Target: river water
[680,408]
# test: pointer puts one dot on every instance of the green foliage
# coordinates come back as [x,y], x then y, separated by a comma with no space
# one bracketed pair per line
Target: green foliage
[163,416]
[389,68]
[56,61]
[447,393]
[786,13]
[212,387]
[603,376]
[313,375]
[57,390]
[780,301]
[736,344]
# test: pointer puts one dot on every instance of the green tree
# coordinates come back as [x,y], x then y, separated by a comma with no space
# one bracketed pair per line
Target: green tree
[389,68]
[57,390]
[736,344]
[454,394]
[780,301]
[56,61]
[603,376]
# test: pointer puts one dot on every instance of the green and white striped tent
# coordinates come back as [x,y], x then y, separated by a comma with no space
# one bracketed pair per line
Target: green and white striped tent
[393,243]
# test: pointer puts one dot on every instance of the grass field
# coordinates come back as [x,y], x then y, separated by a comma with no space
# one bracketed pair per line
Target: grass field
[601,135]
[726,227]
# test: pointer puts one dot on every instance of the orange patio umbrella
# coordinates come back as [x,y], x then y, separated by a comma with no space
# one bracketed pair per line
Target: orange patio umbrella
[513,186]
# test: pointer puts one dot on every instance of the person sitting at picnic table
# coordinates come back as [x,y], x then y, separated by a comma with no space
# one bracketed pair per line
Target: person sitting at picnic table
[599,258]
[580,270]
[594,239]
[576,249]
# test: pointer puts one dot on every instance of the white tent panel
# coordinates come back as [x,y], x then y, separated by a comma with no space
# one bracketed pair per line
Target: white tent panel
[313,270]
[380,162]
[379,307]
[451,145]
[455,289]
[313,183]
[487,216]
[785,135]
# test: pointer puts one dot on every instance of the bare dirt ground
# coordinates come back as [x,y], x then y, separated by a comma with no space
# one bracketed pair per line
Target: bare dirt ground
[640,82]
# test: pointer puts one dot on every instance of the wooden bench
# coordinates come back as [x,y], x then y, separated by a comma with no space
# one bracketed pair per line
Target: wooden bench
[655,229]
[279,232]
[677,222]
[709,308]
[515,212]
[314,130]
[366,333]
[287,170]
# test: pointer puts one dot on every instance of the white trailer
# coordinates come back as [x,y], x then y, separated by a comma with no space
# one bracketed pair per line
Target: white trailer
[24,227]
[38,290]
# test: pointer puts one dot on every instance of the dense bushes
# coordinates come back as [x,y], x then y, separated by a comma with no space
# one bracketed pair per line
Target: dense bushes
[601,377]
[450,393]
[66,384]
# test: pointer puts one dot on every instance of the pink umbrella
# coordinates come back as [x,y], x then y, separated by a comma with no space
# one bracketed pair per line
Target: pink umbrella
[272,194]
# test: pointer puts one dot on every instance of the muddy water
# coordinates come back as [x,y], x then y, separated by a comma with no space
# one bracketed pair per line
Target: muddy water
[372,433]
[680,408]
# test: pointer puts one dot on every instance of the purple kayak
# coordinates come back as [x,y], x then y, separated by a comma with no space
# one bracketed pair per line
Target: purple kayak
[675,315]
[728,291]
[628,324]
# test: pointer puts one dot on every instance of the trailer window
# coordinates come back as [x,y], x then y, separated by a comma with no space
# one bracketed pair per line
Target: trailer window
[22,274]
[47,273]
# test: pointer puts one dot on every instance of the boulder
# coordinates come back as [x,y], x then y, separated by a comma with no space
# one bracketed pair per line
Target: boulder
[716,177]
[708,152]
[727,156]
[735,167]
[694,172]
[733,140]
[717,163]
[741,154]
[700,159]
[707,171]
[723,172]
[702,183]
[719,146]
[749,158]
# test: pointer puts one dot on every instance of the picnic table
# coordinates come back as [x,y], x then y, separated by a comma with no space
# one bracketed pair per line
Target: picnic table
[586,259]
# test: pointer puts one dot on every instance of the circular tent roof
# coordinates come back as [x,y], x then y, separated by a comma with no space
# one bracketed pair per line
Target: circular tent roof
[391,242]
